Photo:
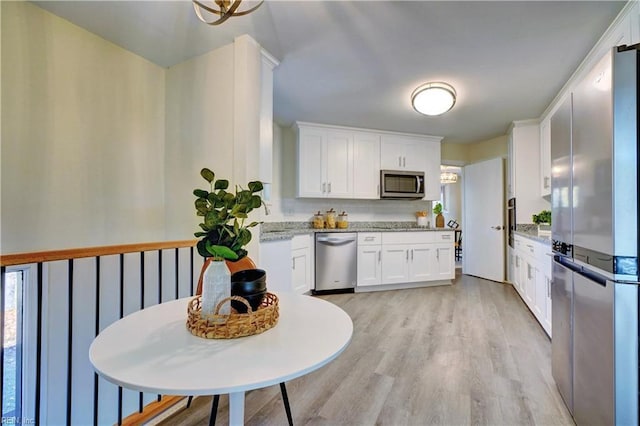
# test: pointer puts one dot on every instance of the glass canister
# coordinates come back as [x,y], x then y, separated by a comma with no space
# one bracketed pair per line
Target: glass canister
[343,220]
[318,221]
[330,219]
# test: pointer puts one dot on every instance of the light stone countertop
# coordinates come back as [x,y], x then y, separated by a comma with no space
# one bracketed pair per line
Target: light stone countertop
[531,231]
[276,231]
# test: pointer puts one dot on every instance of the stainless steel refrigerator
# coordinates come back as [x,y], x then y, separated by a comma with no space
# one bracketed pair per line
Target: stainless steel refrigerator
[594,150]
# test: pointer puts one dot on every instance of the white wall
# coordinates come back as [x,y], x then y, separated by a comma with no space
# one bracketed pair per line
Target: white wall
[94,153]
[82,137]
[214,121]
[199,133]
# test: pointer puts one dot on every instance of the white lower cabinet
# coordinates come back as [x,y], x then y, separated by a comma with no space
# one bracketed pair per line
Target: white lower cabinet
[395,264]
[421,265]
[369,259]
[301,274]
[543,297]
[532,278]
[530,283]
[444,265]
[275,258]
[405,257]
[301,264]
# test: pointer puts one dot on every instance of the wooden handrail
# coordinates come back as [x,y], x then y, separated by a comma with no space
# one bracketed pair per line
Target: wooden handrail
[76,253]
[152,410]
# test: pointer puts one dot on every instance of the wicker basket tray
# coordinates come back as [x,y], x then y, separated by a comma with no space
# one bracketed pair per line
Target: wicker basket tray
[219,326]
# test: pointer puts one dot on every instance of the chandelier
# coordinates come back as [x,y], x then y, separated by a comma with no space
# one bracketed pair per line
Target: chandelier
[448,177]
[221,10]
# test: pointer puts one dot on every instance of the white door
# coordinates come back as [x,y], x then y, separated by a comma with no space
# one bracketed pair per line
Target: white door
[483,228]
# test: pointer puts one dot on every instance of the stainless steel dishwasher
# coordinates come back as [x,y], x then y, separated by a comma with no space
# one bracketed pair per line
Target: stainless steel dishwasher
[336,266]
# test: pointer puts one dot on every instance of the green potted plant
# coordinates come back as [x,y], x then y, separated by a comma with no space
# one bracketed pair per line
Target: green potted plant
[544,217]
[543,220]
[437,210]
[224,231]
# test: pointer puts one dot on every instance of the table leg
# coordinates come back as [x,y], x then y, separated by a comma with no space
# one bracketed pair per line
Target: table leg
[236,409]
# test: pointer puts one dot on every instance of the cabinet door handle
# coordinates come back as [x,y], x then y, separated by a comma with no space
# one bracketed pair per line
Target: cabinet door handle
[293,264]
[379,256]
[369,238]
[399,161]
[546,181]
[438,254]
[548,288]
[329,191]
[407,252]
[324,187]
[412,255]
[446,237]
[404,161]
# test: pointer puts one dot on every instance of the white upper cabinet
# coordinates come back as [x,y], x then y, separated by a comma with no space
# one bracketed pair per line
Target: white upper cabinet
[545,157]
[523,181]
[325,161]
[366,165]
[311,171]
[432,171]
[339,163]
[416,154]
[399,152]
[342,162]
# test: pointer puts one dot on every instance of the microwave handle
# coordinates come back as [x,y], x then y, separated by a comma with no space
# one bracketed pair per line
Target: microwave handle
[418,185]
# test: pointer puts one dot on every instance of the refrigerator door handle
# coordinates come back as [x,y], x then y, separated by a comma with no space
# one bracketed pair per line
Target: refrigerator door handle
[580,270]
[566,262]
[593,276]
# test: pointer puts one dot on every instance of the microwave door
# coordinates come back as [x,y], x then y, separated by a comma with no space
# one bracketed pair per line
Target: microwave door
[402,184]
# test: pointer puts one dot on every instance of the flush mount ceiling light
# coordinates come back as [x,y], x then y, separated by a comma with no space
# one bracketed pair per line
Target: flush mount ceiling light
[221,10]
[448,177]
[433,98]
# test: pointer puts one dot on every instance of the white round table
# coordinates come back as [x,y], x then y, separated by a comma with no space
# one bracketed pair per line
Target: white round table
[152,351]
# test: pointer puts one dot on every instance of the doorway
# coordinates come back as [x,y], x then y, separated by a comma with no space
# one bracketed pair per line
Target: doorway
[451,197]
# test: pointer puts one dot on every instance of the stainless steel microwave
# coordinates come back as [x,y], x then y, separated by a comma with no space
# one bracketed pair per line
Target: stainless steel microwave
[401,184]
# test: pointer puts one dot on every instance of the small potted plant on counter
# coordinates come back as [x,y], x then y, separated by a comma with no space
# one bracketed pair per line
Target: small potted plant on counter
[543,220]
[437,210]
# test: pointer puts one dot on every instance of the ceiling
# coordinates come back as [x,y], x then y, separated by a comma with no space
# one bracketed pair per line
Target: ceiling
[355,63]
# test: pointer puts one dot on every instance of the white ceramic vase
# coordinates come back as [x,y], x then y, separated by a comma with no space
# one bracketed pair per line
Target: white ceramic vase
[216,286]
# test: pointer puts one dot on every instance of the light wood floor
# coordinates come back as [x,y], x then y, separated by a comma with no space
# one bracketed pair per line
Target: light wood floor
[465,354]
